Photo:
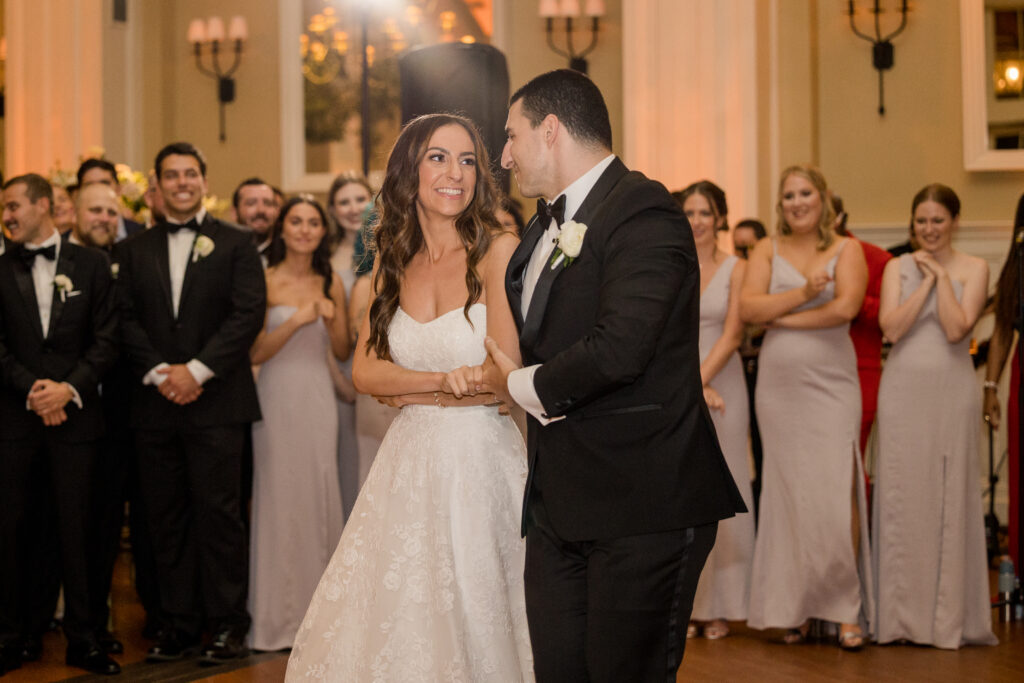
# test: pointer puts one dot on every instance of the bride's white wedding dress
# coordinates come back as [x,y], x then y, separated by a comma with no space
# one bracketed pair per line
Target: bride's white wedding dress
[427,581]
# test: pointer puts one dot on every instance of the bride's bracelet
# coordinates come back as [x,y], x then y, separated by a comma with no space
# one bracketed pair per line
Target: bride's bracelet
[437,401]
[990,384]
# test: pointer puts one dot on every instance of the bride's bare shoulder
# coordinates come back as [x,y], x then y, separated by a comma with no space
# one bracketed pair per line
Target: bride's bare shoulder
[502,245]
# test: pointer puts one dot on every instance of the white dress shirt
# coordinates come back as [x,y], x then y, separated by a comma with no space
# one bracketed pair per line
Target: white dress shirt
[44,271]
[179,251]
[520,382]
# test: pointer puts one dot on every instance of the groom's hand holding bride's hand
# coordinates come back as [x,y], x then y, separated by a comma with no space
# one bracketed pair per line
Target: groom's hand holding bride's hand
[495,372]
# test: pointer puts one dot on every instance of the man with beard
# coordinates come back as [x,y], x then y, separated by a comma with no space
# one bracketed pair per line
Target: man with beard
[256,208]
[102,171]
[97,217]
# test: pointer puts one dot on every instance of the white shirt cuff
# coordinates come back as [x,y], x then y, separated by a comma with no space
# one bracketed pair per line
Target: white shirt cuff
[520,387]
[155,378]
[200,372]
[75,396]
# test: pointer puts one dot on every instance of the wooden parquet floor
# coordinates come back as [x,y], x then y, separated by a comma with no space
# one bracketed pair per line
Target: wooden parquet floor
[746,655]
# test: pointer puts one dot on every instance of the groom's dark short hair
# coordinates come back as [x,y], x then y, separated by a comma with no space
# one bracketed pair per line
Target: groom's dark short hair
[574,99]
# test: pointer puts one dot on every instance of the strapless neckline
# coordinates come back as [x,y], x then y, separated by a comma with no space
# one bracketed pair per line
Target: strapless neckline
[439,317]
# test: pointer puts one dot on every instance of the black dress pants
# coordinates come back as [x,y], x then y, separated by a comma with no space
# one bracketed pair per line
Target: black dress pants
[68,471]
[610,610]
[189,477]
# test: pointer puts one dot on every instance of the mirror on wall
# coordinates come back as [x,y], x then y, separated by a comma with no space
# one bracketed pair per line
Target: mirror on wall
[992,58]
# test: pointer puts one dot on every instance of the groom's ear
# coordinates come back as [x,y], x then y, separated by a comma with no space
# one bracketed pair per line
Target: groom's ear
[550,128]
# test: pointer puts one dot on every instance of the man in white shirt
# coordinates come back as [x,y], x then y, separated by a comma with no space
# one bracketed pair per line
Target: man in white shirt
[58,336]
[193,301]
[627,481]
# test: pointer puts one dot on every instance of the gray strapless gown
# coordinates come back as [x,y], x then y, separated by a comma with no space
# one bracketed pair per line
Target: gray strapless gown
[808,409]
[723,591]
[296,501]
[929,535]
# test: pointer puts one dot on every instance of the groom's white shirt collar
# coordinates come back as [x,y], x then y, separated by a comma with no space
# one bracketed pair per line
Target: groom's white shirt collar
[581,187]
[520,382]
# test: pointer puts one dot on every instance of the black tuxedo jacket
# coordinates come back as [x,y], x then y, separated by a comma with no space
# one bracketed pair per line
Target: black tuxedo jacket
[132,228]
[616,334]
[220,312]
[79,348]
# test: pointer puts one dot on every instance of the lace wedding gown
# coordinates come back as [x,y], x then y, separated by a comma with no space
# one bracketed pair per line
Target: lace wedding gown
[427,581]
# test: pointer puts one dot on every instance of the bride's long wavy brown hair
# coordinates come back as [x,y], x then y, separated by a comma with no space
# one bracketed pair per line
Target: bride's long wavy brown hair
[398,235]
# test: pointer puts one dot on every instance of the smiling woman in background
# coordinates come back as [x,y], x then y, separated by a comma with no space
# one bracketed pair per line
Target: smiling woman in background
[806,285]
[296,501]
[929,534]
[723,592]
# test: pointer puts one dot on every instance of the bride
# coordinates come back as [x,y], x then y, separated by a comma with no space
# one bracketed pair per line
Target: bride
[427,581]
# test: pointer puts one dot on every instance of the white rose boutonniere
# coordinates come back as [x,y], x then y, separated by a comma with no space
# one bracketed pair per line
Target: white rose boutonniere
[115,268]
[569,243]
[202,248]
[64,285]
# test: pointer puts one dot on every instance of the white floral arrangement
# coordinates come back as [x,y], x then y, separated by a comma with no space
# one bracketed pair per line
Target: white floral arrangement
[569,243]
[202,248]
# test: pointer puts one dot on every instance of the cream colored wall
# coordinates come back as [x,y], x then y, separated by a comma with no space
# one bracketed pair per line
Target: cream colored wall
[180,103]
[878,163]
[522,40]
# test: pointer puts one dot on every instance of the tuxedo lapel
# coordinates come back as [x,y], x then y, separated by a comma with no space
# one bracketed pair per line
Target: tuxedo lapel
[65,266]
[163,267]
[516,271]
[23,277]
[586,215]
[190,267]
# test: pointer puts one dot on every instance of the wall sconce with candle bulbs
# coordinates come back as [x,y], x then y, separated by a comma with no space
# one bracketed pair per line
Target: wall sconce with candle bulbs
[550,10]
[882,52]
[210,32]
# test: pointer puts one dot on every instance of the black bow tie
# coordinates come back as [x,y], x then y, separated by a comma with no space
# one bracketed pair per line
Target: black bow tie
[555,209]
[190,224]
[29,255]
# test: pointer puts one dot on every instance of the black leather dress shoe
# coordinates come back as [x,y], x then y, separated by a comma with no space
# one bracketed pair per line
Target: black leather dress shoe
[10,657]
[226,645]
[92,659]
[110,644]
[173,645]
[32,649]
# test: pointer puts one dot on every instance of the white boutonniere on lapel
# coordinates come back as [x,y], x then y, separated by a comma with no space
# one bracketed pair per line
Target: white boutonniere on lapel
[115,269]
[65,286]
[568,243]
[202,248]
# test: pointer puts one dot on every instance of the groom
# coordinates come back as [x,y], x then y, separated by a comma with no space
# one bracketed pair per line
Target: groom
[627,482]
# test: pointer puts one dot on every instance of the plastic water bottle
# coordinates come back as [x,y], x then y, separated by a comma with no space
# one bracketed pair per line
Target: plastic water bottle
[1006,581]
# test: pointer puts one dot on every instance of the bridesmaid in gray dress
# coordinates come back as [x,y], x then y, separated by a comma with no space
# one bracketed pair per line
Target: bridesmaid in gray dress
[805,286]
[296,501]
[929,534]
[347,199]
[723,591]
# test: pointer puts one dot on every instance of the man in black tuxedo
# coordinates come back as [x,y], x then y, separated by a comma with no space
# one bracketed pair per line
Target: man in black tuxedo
[102,171]
[58,336]
[627,481]
[256,208]
[193,301]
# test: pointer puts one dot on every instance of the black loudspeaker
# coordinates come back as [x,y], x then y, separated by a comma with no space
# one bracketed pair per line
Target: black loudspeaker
[468,79]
